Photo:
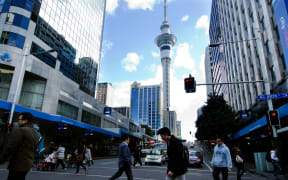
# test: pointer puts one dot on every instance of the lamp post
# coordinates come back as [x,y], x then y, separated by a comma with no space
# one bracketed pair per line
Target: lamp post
[21,78]
[264,71]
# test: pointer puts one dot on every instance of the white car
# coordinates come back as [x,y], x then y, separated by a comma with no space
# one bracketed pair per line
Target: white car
[156,156]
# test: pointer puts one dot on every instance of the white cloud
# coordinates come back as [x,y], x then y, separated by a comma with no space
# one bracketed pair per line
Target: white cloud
[131,61]
[203,23]
[184,59]
[155,54]
[185,18]
[202,67]
[111,6]
[151,68]
[141,4]
[106,46]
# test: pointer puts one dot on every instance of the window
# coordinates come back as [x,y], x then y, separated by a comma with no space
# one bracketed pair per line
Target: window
[25,4]
[165,48]
[12,39]
[67,110]
[6,74]
[17,20]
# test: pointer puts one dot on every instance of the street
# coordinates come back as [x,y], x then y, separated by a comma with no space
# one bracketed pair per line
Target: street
[103,169]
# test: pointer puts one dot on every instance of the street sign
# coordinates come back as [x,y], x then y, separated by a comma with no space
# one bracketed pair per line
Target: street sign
[273,96]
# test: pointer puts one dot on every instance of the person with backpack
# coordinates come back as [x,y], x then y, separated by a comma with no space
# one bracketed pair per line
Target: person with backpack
[221,161]
[177,162]
[79,153]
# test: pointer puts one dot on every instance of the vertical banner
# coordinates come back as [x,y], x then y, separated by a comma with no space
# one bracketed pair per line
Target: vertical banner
[281,14]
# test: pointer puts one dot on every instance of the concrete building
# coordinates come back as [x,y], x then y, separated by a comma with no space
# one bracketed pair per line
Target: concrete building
[253,34]
[125,111]
[104,93]
[208,72]
[172,121]
[165,41]
[145,105]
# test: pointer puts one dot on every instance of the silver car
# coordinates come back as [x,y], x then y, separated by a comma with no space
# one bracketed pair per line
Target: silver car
[157,156]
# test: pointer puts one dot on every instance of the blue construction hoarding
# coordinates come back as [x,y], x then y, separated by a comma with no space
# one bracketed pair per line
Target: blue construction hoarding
[281,15]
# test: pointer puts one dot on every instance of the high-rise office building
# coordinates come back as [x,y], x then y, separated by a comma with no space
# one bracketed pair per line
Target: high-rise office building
[172,121]
[178,128]
[165,41]
[29,29]
[146,105]
[104,93]
[250,51]
[208,72]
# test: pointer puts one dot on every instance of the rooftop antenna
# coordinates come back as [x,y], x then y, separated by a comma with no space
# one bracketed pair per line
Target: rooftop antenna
[165,11]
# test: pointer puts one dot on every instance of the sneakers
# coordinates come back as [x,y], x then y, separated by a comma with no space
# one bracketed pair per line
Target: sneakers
[76,173]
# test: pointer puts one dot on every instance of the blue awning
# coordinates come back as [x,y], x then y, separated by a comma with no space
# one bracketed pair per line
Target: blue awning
[282,111]
[56,118]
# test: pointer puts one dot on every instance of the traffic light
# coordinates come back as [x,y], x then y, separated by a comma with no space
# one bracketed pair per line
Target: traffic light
[273,117]
[190,84]
[269,130]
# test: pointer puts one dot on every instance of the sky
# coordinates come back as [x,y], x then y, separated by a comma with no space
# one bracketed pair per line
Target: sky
[129,52]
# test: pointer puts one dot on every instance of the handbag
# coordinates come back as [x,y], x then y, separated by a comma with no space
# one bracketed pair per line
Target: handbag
[239,159]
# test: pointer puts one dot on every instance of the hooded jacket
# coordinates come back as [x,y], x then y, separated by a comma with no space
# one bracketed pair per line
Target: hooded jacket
[221,157]
[21,148]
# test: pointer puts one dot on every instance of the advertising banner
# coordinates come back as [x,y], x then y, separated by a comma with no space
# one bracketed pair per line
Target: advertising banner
[281,15]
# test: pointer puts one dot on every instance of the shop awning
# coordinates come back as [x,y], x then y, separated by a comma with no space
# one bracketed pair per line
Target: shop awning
[56,118]
[282,111]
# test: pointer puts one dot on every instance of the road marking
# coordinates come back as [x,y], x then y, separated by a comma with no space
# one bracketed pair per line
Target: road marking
[109,162]
[209,167]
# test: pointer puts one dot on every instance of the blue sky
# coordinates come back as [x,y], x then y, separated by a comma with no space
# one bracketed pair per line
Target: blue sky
[129,52]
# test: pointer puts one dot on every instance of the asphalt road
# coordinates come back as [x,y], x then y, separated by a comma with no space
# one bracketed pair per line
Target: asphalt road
[103,169]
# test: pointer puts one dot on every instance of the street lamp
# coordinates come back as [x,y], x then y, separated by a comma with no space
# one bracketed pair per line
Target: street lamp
[21,77]
[264,71]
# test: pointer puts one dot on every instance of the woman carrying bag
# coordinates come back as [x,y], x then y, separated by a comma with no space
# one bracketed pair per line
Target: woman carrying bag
[239,162]
[79,153]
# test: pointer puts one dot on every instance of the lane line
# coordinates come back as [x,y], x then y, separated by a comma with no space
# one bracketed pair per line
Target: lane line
[209,167]
[109,162]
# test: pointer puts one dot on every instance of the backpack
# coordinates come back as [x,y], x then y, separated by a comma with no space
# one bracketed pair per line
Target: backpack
[268,157]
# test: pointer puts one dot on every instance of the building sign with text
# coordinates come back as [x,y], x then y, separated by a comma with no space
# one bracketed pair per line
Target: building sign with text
[281,16]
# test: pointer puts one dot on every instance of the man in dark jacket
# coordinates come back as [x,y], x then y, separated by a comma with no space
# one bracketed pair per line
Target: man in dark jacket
[21,148]
[124,160]
[176,164]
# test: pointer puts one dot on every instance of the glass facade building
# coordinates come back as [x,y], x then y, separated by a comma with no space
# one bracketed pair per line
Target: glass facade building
[146,105]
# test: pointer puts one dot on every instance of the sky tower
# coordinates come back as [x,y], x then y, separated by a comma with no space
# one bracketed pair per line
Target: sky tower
[165,41]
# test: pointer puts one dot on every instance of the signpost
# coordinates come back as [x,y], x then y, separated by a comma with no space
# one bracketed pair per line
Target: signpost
[273,96]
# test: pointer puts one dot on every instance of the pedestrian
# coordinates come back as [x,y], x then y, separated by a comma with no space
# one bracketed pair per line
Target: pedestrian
[137,156]
[238,160]
[177,166]
[221,161]
[60,154]
[88,156]
[124,160]
[275,161]
[79,153]
[21,148]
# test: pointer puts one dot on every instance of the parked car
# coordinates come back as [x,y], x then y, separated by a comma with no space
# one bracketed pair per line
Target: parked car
[144,152]
[157,156]
[195,158]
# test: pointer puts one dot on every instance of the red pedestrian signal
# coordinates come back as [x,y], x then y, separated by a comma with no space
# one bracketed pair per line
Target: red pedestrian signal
[273,118]
[190,84]
[269,130]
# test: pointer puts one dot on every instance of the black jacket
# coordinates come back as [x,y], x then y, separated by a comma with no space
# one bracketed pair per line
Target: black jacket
[176,163]
[234,158]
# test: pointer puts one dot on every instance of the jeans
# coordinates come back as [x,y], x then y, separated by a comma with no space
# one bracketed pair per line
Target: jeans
[137,159]
[240,170]
[218,170]
[276,168]
[181,177]
[78,166]
[127,168]
[60,161]
[16,175]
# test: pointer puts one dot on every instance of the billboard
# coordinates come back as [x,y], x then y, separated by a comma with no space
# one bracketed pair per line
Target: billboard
[281,15]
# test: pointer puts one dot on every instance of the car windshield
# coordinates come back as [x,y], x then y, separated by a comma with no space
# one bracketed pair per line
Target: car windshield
[193,153]
[156,152]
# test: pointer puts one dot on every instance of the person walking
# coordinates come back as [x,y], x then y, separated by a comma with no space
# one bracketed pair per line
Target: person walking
[21,148]
[221,161]
[60,154]
[124,160]
[275,162]
[177,167]
[79,153]
[88,156]
[238,160]
[137,156]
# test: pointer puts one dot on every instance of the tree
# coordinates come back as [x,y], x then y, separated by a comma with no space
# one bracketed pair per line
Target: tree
[217,119]
[148,130]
